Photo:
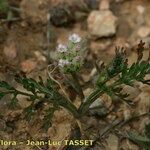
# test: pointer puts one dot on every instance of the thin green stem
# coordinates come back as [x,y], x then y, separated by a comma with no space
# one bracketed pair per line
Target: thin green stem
[77,84]
[64,102]
[92,97]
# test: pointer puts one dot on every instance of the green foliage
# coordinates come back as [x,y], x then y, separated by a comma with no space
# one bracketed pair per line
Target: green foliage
[136,72]
[116,66]
[38,91]
[8,12]
[144,141]
[4,6]
[2,95]
[121,74]
[6,86]
[48,117]
[111,79]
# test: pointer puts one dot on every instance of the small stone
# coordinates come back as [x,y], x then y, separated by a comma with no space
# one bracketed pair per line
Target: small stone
[28,65]
[92,4]
[112,142]
[102,23]
[62,15]
[104,5]
[140,9]
[10,50]
[39,56]
[99,112]
[97,103]
[34,11]
[143,32]
[99,46]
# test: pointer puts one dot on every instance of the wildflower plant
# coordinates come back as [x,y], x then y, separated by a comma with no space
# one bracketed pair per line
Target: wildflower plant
[110,80]
[70,55]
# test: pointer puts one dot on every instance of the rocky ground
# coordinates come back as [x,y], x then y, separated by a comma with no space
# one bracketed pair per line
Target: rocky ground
[28,43]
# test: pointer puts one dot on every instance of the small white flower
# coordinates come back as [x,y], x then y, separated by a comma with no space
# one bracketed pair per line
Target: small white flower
[61,48]
[75,38]
[63,62]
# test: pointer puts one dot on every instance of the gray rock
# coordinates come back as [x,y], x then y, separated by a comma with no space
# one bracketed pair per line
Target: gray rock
[92,4]
[62,15]
[98,109]
[102,23]
[96,103]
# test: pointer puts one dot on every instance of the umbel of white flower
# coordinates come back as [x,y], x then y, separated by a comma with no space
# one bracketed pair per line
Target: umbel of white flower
[75,38]
[63,62]
[70,59]
[61,48]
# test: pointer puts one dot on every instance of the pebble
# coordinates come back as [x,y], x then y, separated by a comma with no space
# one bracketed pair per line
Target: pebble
[40,56]
[104,5]
[61,15]
[92,4]
[99,46]
[10,50]
[34,11]
[97,103]
[102,23]
[143,31]
[28,65]
[140,9]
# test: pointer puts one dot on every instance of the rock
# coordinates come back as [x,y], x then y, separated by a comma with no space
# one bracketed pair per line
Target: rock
[102,23]
[61,128]
[87,77]
[98,46]
[34,11]
[140,9]
[10,50]
[61,15]
[104,5]
[40,56]
[143,31]
[28,65]
[92,4]
[98,109]
[98,112]
[112,142]
[96,103]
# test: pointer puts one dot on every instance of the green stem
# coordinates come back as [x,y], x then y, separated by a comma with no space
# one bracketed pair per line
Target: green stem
[67,104]
[77,84]
[91,98]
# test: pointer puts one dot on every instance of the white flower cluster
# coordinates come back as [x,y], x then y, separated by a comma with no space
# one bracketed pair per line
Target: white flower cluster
[70,54]
[63,62]
[75,38]
[62,48]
